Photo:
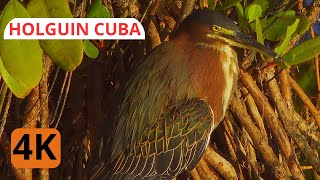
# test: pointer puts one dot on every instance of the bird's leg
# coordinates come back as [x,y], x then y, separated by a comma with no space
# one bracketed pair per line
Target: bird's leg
[96,44]
[275,75]
[271,65]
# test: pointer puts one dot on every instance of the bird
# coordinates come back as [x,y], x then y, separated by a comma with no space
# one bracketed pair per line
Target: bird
[175,98]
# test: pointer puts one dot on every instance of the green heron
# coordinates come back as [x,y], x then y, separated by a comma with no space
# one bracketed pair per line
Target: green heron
[175,98]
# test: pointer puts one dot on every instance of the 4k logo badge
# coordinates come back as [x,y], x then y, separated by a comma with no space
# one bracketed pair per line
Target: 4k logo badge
[35,148]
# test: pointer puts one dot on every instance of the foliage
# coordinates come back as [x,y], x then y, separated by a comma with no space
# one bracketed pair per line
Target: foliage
[67,60]
[275,27]
[21,65]
[90,50]
[290,30]
[96,10]
[303,52]
[253,11]
[22,60]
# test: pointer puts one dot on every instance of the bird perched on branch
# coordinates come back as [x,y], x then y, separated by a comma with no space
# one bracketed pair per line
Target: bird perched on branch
[176,98]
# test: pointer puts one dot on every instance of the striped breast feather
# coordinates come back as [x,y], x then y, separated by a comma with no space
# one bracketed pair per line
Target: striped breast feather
[175,143]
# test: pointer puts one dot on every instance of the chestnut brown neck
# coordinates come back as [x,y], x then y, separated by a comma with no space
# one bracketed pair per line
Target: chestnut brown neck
[212,72]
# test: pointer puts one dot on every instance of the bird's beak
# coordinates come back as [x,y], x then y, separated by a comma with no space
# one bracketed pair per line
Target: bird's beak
[242,40]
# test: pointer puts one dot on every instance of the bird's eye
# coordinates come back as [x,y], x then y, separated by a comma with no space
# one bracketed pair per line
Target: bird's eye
[216,28]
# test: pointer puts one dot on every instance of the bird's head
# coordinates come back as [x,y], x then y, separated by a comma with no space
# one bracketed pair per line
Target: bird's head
[212,29]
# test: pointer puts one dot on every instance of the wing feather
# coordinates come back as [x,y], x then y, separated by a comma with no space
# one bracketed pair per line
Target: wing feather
[176,142]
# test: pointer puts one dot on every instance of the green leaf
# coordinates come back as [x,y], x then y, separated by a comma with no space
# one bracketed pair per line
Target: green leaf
[239,9]
[241,18]
[253,11]
[290,30]
[275,29]
[227,4]
[58,8]
[38,8]
[303,25]
[16,87]
[21,59]
[67,54]
[303,52]
[260,38]
[97,10]
[90,50]
[286,13]
[263,4]
[259,31]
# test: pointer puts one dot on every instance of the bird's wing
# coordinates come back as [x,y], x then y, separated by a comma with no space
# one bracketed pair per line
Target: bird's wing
[159,80]
[176,142]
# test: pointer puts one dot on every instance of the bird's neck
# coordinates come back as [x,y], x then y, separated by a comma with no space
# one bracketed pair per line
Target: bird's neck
[212,72]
